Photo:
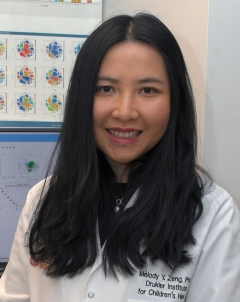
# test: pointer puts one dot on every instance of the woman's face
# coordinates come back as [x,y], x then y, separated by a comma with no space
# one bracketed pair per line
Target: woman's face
[131,103]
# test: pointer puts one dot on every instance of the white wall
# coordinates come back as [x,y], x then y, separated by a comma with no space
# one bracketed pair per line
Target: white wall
[222,119]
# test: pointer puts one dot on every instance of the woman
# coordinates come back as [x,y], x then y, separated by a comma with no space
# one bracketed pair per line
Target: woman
[127,214]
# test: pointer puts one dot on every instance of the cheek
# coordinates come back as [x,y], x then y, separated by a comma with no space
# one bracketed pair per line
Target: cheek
[97,118]
[159,119]
[100,113]
[99,124]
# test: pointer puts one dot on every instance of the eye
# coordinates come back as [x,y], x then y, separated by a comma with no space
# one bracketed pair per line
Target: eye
[106,88]
[147,90]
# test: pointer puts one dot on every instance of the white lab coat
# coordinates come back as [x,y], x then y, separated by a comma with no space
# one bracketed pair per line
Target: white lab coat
[212,276]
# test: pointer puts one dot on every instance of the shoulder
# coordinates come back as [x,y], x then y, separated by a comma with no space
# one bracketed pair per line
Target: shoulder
[216,252]
[216,195]
[217,203]
[37,191]
[32,201]
[220,216]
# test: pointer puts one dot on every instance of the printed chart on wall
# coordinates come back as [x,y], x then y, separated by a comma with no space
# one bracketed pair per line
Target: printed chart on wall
[39,42]
[24,159]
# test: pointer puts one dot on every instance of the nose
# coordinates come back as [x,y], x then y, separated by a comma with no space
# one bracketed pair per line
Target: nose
[126,108]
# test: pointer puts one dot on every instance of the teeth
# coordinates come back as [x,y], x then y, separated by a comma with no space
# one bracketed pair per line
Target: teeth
[130,134]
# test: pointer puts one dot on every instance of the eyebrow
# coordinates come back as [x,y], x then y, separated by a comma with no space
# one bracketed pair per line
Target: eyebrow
[141,81]
[108,79]
[151,80]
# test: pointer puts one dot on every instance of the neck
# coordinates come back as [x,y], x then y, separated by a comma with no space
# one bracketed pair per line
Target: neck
[121,175]
[121,171]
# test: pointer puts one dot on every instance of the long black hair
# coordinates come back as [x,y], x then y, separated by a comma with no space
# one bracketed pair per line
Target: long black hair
[169,183]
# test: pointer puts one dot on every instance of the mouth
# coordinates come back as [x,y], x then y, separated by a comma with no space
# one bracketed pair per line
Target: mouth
[120,134]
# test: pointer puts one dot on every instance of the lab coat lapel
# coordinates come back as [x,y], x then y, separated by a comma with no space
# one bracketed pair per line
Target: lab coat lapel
[98,261]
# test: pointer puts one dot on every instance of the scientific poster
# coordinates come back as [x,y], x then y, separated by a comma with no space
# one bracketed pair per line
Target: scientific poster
[23,163]
[39,42]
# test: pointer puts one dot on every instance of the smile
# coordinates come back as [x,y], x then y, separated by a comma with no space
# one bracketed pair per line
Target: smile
[119,134]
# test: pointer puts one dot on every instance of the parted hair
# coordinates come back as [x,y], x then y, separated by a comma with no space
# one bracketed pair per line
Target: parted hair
[169,183]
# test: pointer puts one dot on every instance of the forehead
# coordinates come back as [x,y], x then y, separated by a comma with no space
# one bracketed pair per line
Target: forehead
[133,57]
